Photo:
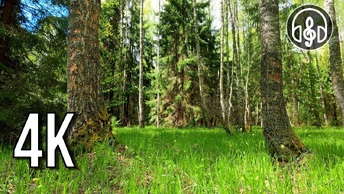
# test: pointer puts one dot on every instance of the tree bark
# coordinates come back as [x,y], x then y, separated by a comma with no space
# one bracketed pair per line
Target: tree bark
[229,64]
[336,63]
[121,63]
[85,96]
[239,109]
[283,143]
[158,72]
[248,118]
[141,121]
[311,74]
[222,99]
[7,21]
[294,96]
[200,66]
[8,65]
[323,101]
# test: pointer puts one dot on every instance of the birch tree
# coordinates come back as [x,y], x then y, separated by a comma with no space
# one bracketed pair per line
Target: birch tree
[336,63]
[222,98]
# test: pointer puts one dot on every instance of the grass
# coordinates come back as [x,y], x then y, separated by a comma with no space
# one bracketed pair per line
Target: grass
[185,161]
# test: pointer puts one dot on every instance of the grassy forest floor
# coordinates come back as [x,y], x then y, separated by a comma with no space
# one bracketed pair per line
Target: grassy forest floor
[185,161]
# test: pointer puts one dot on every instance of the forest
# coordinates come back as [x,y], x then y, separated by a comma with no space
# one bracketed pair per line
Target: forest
[172,96]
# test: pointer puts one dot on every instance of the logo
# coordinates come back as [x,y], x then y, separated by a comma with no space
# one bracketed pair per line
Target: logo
[309,27]
[53,141]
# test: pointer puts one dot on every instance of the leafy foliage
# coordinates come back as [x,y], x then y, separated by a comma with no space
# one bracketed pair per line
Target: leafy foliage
[32,78]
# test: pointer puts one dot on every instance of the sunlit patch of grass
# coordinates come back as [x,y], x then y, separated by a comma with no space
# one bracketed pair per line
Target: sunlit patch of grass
[185,161]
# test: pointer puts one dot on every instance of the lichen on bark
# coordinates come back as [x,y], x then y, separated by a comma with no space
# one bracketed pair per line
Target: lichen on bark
[284,145]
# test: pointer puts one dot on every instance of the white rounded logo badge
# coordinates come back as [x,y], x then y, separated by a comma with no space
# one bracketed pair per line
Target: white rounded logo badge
[309,27]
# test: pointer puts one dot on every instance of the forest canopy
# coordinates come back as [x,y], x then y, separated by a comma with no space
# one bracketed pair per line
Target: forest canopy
[184,58]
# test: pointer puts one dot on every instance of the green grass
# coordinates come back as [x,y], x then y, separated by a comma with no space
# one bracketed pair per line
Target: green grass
[185,161]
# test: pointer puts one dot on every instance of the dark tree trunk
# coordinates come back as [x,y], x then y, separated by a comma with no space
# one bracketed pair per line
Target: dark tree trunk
[7,21]
[334,113]
[336,60]
[323,100]
[141,121]
[158,72]
[84,92]
[8,67]
[282,142]
[314,109]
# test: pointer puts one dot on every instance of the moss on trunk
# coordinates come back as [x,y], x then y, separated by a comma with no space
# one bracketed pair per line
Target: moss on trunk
[283,143]
[85,96]
[92,130]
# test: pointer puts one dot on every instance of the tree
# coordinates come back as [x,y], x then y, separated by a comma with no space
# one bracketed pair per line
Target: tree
[84,90]
[158,71]
[312,78]
[9,10]
[200,65]
[323,100]
[121,58]
[181,101]
[8,67]
[222,98]
[10,98]
[282,141]
[32,64]
[238,104]
[111,44]
[141,121]
[336,60]
[248,119]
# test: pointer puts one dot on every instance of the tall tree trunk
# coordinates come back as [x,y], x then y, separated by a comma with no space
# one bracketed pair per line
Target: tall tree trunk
[200,66]
[334,112]
[8,65]
[130,109]
[296,116]
[229,64]
[122,64]
[261,115]
[294,96]
[7,21]
[336,60]
[222,99]
[323,101]
[239,103]
[282,141]
[84,89]
[158,72]
[141,121]
[248,118]
[311,73]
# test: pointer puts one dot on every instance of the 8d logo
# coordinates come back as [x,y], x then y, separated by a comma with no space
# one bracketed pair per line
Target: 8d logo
[309,27]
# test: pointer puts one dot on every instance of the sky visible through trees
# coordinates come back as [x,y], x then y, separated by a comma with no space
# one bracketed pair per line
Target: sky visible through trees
[34,11]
